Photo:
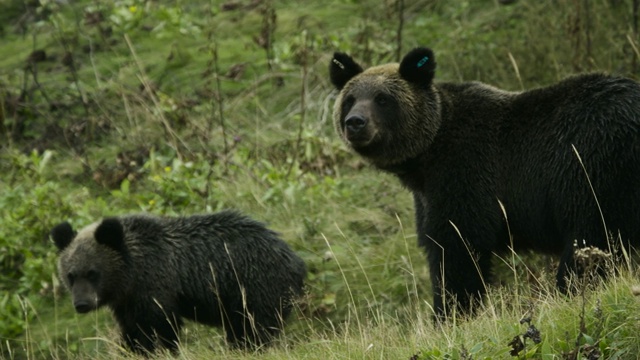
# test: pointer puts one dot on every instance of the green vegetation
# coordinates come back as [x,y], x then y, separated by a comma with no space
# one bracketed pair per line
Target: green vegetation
[179,107]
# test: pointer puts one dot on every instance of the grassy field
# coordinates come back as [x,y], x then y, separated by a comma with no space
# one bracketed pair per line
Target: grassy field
[177,107]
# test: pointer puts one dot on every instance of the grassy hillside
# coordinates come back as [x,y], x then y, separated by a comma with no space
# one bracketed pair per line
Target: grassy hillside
[181,107]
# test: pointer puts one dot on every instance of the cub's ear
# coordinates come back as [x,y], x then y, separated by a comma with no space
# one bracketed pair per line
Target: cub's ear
[342,69]
[111,233]
[418,66]
[62,235]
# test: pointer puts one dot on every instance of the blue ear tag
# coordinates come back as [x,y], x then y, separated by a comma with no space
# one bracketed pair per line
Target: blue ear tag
[423,61]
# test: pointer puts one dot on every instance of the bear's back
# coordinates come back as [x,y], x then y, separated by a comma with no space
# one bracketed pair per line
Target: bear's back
[565,146]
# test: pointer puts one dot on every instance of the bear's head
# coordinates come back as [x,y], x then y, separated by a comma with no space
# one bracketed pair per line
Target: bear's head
[388,113]
[92,264]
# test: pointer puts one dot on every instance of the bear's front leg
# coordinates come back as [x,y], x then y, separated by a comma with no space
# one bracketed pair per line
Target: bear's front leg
[458,281]
[459,257]
[144,327]
[244,331]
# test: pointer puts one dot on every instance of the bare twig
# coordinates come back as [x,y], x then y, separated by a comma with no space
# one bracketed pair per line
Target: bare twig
[266,37]
[576,35]
[400,6]
[32,67]
[173,137]
[72,67]
[634,59]
[587,31]
[218,99]
[303,95]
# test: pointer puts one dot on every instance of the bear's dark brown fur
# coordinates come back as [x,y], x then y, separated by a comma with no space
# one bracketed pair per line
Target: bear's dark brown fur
[465,148]
[221,269]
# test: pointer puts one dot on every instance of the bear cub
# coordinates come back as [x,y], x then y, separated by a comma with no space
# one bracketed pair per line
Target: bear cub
[221,269]
[543,169]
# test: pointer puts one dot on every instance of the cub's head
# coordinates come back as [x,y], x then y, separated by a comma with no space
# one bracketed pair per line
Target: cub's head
[92,263]
[387,113]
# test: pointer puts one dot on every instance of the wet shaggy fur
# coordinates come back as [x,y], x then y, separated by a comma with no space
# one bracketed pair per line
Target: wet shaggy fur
[222,269]
[464,148]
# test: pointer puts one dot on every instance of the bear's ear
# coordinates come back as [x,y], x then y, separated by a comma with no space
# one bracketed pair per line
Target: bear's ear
[62,234]
[418,66]
[342,69]
[111,233]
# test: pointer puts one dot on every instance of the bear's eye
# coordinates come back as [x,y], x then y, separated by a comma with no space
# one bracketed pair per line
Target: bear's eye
[93,275]
[382,99]
[70,278]
[347,103]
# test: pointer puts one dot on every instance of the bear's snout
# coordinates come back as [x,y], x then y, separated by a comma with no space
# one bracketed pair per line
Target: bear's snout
[357,130]
[358,125]
[84,296]
[355,123]
[82,306]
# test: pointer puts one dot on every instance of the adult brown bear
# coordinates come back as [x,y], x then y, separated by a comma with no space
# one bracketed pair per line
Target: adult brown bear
[464,148]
